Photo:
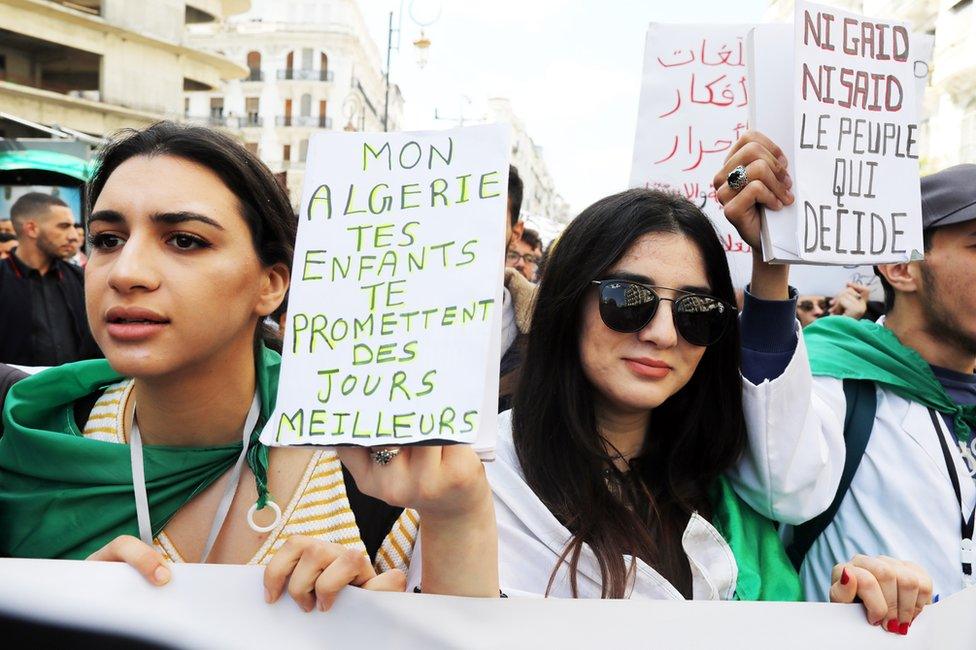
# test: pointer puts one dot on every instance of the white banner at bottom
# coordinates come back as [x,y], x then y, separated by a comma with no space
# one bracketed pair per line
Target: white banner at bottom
[221,606]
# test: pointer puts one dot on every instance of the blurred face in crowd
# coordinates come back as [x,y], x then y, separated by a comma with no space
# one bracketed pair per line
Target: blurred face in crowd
[524,258]
[6,248]
[512,233]
[6,225]
[639,371]
[945,284]
[173,280]
[52,232]
[81,236]
[811,307]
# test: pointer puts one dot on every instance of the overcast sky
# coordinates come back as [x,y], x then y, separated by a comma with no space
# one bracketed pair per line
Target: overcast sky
[571,69]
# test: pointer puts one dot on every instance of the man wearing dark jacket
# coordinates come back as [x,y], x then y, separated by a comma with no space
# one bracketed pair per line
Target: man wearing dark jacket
[42,297]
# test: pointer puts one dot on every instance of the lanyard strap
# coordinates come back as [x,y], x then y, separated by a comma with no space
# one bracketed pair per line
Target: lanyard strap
[967,525]
[139,480]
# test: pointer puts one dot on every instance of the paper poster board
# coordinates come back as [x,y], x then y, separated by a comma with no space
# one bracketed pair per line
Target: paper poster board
[222,606]
[853,125]
[393,325]
[693,107]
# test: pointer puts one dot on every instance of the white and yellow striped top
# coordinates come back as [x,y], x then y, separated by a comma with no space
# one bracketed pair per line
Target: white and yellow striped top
[318,509]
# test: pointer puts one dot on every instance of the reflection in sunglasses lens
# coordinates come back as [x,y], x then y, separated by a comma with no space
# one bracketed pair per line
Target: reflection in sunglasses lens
[628,307]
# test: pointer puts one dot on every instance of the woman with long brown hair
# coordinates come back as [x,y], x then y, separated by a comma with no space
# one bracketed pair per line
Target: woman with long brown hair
[611,472]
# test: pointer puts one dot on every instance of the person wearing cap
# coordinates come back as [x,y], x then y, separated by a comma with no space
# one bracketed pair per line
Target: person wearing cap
[877,456]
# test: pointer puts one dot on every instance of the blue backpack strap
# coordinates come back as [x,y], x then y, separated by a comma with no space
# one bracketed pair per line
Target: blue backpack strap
[862,403]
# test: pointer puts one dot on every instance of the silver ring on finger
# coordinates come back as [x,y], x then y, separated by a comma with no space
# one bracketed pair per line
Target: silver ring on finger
[738,178]
[383,457]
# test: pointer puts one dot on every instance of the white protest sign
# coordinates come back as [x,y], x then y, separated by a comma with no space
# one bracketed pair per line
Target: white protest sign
[693,107]
[855,139]
[694,104]
[395,304]
[222,606]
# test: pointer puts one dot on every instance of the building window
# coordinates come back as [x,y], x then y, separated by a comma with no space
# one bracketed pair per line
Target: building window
[307,54]
[252,147]
[186,106]
[306,105]
[216,107]
[254,65]
[324,64]
[303,150]
[286,152]
[251,105]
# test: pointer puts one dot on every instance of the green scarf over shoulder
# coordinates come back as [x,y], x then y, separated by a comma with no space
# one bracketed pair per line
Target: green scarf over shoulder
[65,496]
[845,348]
[765,571]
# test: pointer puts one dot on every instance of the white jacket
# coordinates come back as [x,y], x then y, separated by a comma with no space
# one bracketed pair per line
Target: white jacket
[531,540]
[901,502]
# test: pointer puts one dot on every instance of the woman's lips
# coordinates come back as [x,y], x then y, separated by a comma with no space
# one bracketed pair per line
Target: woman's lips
[650,369]
[133,331]
[133,324]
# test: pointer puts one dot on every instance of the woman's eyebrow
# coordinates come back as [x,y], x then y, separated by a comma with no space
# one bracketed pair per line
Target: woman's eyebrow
[173,218]
[111,216]
[633,277]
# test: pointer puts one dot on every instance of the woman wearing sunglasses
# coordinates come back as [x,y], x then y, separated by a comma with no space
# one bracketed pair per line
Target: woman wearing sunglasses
[609,479]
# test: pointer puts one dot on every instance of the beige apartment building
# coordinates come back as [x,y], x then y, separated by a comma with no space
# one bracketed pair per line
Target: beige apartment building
[95,66]
[312,67]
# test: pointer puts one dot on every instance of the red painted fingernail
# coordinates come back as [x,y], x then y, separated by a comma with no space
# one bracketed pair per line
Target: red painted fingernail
[903,628]
[844,578]
[893,625]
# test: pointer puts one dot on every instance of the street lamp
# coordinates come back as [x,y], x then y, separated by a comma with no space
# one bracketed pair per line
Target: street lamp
[422,46]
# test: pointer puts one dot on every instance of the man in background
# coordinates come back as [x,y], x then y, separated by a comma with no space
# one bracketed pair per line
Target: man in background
[79,258]
[517,299]
[852,301]
[524,254]
[42,319]
[8,244]
[7,226]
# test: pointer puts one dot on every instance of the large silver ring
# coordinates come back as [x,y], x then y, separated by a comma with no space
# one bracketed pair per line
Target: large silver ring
[737,178]
[383,456]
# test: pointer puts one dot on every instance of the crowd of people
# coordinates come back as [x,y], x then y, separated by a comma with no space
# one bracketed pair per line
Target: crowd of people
[658,438]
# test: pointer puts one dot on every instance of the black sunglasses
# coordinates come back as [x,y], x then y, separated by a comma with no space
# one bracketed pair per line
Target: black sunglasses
[627,306]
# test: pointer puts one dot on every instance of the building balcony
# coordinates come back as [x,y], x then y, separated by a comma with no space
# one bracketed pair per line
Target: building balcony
[254,75]
[305,75]
[49,65]
[250,120]
[320,122]
[82,111]
[92,7]
[228,121]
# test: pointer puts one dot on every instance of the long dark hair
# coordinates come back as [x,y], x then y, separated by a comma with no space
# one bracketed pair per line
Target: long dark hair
[264,205]
[698,433]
